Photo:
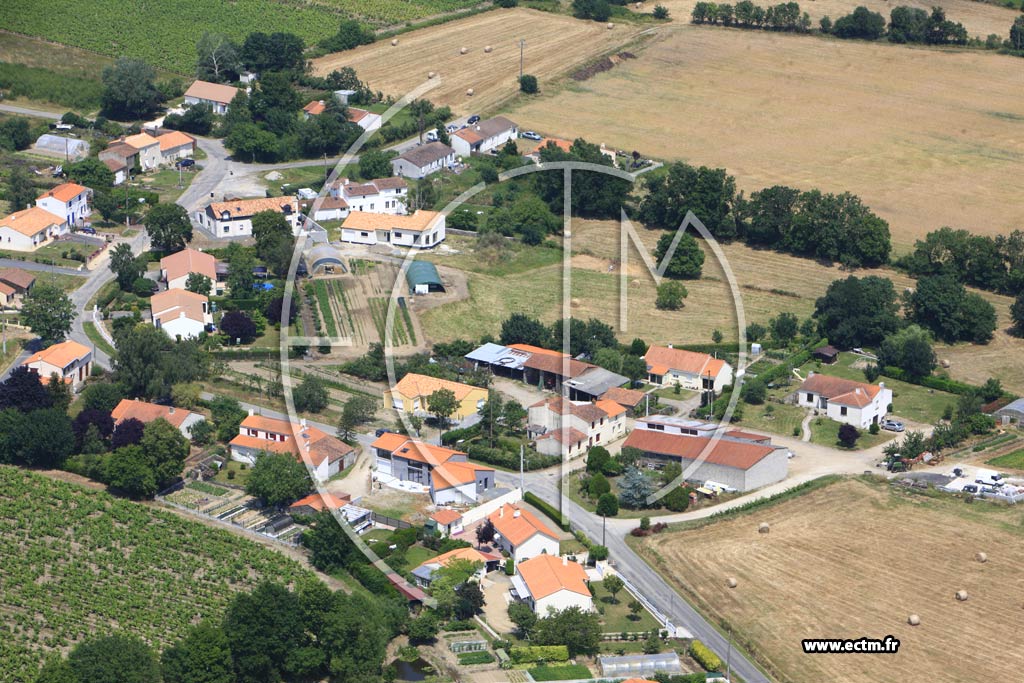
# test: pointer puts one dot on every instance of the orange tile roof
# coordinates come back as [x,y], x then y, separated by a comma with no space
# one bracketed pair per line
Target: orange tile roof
[214,92]
[662,358]
[243,208]
[448,475]
[588,412]
[31,221]
[20,278]
[319,501]
[141,140]
[59,355]
[567,436]
[315,108]
[519,529]
[6,289]
[356,115]
[64,192]
[563,145]
[446,516]
[839,390]
[529,348]
[419,451]
[742,455]
[470,554]
[611,408]
[147,412]
[174,139]
[322,446]
[188,261]
[546,575]
[417,222]
[389,441]
[624,397]
[169,304]
[414,385]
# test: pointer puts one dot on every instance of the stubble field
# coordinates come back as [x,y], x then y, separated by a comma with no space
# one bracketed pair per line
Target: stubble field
[927,138]
[851,560]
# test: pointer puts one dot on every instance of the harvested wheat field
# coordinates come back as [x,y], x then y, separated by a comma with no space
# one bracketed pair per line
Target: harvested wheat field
[555,44]
[853,560]
[979,18]
[926,137]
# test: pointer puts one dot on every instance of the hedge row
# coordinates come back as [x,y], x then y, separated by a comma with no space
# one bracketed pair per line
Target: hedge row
[532,460]
[548,510]
[705,657]
[451,436]
[931,382]
[539,653]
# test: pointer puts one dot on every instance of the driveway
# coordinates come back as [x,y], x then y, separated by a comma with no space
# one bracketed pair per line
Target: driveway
[496,598]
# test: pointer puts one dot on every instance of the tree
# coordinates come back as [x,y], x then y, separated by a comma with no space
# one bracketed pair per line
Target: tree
[39,438]
[676,500]
[169,227]
[942,305]
[634,367]
[350,34]
[125,266]
[528,84]
[532,220]
[598,485]
[848,435]
[910,349]
[115,658]
[199,283]
[614,585]
[15,134]
[579,631]
[1017,314]
[48,312]
[127,433]
[754,391]
[635,608]
[783,327]
[523,616]
[311,395]
[148,363]
[217,58]
[278,478]
[265,631]
[423,629]
[1017,34]
[485,533]
[21,193]
[858,311]
[23,391]
[756,332]
[861,23]
[240,265]
[469,600]
[166,448]
[635,488]
[198,119]
[374,164]
[607,505]
[92,173]
[128,469]
[670,296]
[275,313]
[237,325]
[202,656]
[270,228]
[598,458]
[687,260]
[520,328]
[443,404]
[710,193]
[129,90]
[274,52]
[98,420]
[356,411]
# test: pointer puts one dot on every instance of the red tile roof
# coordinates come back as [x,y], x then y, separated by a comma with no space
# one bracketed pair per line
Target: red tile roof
[839,390]
[518,528]
[319,502]
[446,516]
[629,398]
[148,412]
[660,359]
[546,575]
[741,455]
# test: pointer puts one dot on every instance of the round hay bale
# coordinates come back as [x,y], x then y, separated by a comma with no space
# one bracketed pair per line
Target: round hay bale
[463,51]
[914,620]
[574,302]
[639,5]
[981,557]
[469,92]
[394,41]
[431,74]
[763,528]
[731,582]
[488,49]
[610,26]
[961,595]
[944,362]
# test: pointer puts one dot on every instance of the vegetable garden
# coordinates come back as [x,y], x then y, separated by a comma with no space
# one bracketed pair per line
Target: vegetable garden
[76,562]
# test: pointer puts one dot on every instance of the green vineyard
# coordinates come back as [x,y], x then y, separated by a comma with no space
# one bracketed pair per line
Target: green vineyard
[165,33]
[77,563]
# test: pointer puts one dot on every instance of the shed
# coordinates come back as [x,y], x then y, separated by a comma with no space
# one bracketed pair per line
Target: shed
[639,665]
[826,354]
[423,278]
[325,257]
[71,148]
[1013,411]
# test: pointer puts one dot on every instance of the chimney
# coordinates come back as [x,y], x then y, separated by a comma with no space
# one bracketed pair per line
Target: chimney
[170,410]
[670,346]
[251,412]
[302,422]
[565,560]
[515,514]
[881,385]
[501,512]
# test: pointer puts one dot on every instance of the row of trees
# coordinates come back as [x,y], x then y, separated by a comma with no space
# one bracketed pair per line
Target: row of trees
[907,25]
[992,263]
[745,14]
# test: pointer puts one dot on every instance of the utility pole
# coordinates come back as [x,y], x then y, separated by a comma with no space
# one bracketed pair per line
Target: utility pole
[728,658]
[522,485]
[522,44]
[604,524]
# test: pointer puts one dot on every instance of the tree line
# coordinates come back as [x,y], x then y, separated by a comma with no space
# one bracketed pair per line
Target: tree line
[785,16]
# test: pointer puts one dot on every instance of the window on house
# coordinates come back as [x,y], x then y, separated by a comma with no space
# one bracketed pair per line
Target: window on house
[810,398]
[842,410]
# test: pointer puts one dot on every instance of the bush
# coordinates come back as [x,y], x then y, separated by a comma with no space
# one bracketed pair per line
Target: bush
[704,656]
[453,435]
[479,657]
[660,12]
[528,84]
[547,509]
[456,625]
[510,459]
[143,287]
[539,653]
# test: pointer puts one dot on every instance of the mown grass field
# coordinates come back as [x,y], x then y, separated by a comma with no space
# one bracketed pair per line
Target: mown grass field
[76,562]
[855,559]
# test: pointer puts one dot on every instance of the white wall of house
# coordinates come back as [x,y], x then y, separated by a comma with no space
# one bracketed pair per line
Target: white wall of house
[456,495]
[149,157]
[852,415]
[537,544]
[73,211]
[77,372]
[463,148]
[770,469]
[173,154]
[183,327]
[552,446]
[397,238]
[239,227]
[218,107]
[13,240]
[692,381]
[407,169]
[179,283]
[560,600]
[599,432]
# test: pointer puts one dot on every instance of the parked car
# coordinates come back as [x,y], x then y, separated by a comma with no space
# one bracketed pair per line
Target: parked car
[185,163]
[970,488]
[432,136]
[382,431]
[893,425]
[472,119]
[452,128]
[88,230]
[530,135]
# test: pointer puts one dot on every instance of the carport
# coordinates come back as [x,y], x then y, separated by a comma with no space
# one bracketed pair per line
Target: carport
[423,278]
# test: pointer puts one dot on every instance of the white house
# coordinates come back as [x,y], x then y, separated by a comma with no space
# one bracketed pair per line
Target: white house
[181,313]
[217,95]
[845,400]
[548,583]
[29,229]
[521,534]
[68,200]
[175,269]
[327,455]
[380,195]
[176,145]
[484,136]
[447,474]
[71,361]
[118,167]
[423,160]
[145,413]
[233,218]
[690,370]
[147,149]
[569,428]
[420,230]
[366,120]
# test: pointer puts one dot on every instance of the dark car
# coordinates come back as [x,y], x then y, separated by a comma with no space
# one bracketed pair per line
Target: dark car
[185,163]
[88,230]
[382,432]
[472,119]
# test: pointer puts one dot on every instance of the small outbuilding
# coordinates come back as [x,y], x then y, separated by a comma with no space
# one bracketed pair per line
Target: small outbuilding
[1013,411]
[423,278]
[826,354]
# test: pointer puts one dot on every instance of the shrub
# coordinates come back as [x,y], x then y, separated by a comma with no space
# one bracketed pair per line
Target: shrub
[528,84]
[547,509]
[479,657]
[704,656]
[660,12]
[539,653]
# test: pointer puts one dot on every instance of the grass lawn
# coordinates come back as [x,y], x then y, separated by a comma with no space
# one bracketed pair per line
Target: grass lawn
[271,339]
[670,393]
[378,535]
[58,253]
[67,283]
[417,555]
[517,258]
[241,473]
[570,487]
[1013,461]
[165,183]
[826,433]
[772,417]
[96,338]
[570,547]
[617,617]
[564,672]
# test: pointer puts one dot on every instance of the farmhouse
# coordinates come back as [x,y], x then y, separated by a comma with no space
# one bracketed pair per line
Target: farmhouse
[630,399]
[176,145]
[70,360]
[737,463]
[547,582]
[175,269]
[323,453]
[521,534]
[420,230]
[29,229]
[233,218]
[325,208]
[845,400]
[569,428]
[145,413]
[70,201]
[314,108]
[216,95]
[449,476]
[181,313]
[421,161]
[118,167]
[484,562]
[484,136]
[120,159]
[380,195]
[546,369]
[366,120]
[147,149]
[16,284]
[668,366]
[7,296]
[410,395]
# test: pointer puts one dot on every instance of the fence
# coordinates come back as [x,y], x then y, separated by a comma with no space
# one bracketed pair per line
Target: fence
[389,521]
[480,511]
[662,619]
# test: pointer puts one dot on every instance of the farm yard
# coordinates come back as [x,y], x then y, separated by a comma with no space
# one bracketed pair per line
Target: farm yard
[555,45]
[853,559]
[926,138]
[74,562]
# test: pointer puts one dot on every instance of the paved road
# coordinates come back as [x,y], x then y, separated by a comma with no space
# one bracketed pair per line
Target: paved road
[25,111]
